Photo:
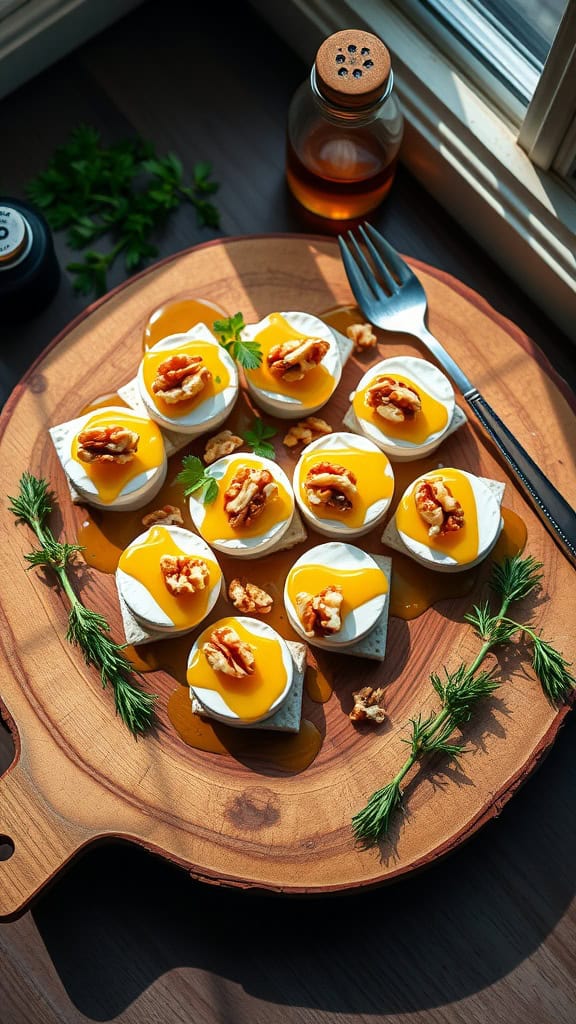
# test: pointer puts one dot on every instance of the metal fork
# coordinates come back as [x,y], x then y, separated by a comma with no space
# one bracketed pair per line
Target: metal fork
[399,304]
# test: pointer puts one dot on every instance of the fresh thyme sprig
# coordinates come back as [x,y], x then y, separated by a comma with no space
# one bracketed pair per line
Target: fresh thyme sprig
[194,477]
[124,191]
[256,438]
[463,689]
[87,629]
[247,353]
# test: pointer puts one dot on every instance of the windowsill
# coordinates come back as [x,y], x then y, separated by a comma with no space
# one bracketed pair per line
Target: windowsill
[461,150]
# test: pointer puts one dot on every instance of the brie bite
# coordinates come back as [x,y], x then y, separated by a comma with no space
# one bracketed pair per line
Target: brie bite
[334,595]
[169,579]
[113,458]
[188,382]
[240,670]
[253,509]
[343,485]
[301,364]
[405,405]
[448,520]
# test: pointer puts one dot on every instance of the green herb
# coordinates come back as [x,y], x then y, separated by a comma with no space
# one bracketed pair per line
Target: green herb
[195,477]
[256,439]
[462,690]
[86,629]
[124,192]
[247,353]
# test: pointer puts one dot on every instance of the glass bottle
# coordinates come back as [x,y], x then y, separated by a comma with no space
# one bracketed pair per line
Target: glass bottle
[345,128]
[29,270]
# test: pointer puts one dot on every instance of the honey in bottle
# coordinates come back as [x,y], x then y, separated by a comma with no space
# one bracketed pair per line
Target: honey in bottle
[344,128]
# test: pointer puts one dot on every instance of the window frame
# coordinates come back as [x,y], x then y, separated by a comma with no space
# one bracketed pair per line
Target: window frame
[462,148]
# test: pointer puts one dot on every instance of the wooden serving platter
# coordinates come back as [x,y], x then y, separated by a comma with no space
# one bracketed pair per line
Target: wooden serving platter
[79,776]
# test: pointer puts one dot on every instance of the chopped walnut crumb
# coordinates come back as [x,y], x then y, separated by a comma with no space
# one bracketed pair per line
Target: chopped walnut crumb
[331,485]
[184,574]
[226,652]
[437,506]
[362,335]
[292,360]
[368,705]
[320,613]
[180,377]
[248,598]
[393,400]
[170,515]
[247,495]
[221,444]
[306,430]
[107,444]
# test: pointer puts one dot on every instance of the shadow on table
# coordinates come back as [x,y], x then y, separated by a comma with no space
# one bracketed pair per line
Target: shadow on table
[121,918]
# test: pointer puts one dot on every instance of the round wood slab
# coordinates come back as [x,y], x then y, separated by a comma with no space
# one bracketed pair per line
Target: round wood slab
[79,776]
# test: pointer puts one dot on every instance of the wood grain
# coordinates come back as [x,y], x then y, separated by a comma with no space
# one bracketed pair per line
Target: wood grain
[79,777]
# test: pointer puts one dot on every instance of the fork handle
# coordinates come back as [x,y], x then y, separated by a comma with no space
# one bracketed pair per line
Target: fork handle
[557,515]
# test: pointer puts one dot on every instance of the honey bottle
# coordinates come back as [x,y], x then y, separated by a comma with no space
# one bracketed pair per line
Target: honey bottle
[345,128]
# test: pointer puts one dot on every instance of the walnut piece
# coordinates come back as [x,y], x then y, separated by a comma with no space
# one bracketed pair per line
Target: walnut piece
[331,485]
[107,444]
[247,495]
[180,377]
[362,335]
[184,574]
[292,360]
[368,705]
[221,444]
[226,652]
[248,598]
[320,613]
[306,430]
[393,400]
[439,509]
[170,515]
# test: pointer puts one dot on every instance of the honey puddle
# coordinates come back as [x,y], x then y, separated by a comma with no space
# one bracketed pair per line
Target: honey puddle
[414,588]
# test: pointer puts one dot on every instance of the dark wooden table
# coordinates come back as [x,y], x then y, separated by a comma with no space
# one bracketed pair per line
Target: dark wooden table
[488,934]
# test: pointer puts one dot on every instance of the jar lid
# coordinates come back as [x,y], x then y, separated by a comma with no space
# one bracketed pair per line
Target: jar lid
[14,234]
[352,68]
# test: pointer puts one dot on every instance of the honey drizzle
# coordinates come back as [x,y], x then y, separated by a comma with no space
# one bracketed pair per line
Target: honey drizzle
[179,317]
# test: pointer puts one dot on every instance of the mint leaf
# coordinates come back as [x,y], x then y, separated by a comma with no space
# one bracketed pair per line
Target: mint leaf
[256,438]
[194,477]
[247,353]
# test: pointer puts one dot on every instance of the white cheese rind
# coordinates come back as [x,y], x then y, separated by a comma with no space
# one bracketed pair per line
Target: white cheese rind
[432,380]
[207,414]
[360,621]
[213,702]
[488,500]
[375,513]
[244,547]
[140,601]
[287,406]
[134,495]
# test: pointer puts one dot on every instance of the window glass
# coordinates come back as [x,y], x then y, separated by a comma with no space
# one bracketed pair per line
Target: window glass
[529,24]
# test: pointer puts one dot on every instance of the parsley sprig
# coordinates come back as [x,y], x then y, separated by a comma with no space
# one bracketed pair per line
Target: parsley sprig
[461,690]
[195,477]
[256,439]
[247,353]
[123,192]
[87,629]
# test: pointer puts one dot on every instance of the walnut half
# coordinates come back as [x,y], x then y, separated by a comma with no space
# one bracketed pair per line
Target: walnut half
[306,430]
[362,335]
[107,444]
[331,485]
[437,506]
[292,360]
[368,705]
[169,515]
[247,495]
[393,400]
[221,444]
[180,377]
[320,613]
[184,574]
[226,652]
[248,598]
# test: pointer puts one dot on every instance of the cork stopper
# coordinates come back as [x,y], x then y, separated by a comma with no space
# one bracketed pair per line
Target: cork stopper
[352,68]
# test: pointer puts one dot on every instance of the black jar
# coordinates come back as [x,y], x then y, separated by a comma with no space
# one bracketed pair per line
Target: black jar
[29,270]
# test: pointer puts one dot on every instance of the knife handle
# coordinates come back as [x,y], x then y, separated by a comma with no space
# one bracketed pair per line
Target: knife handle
[557,515]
